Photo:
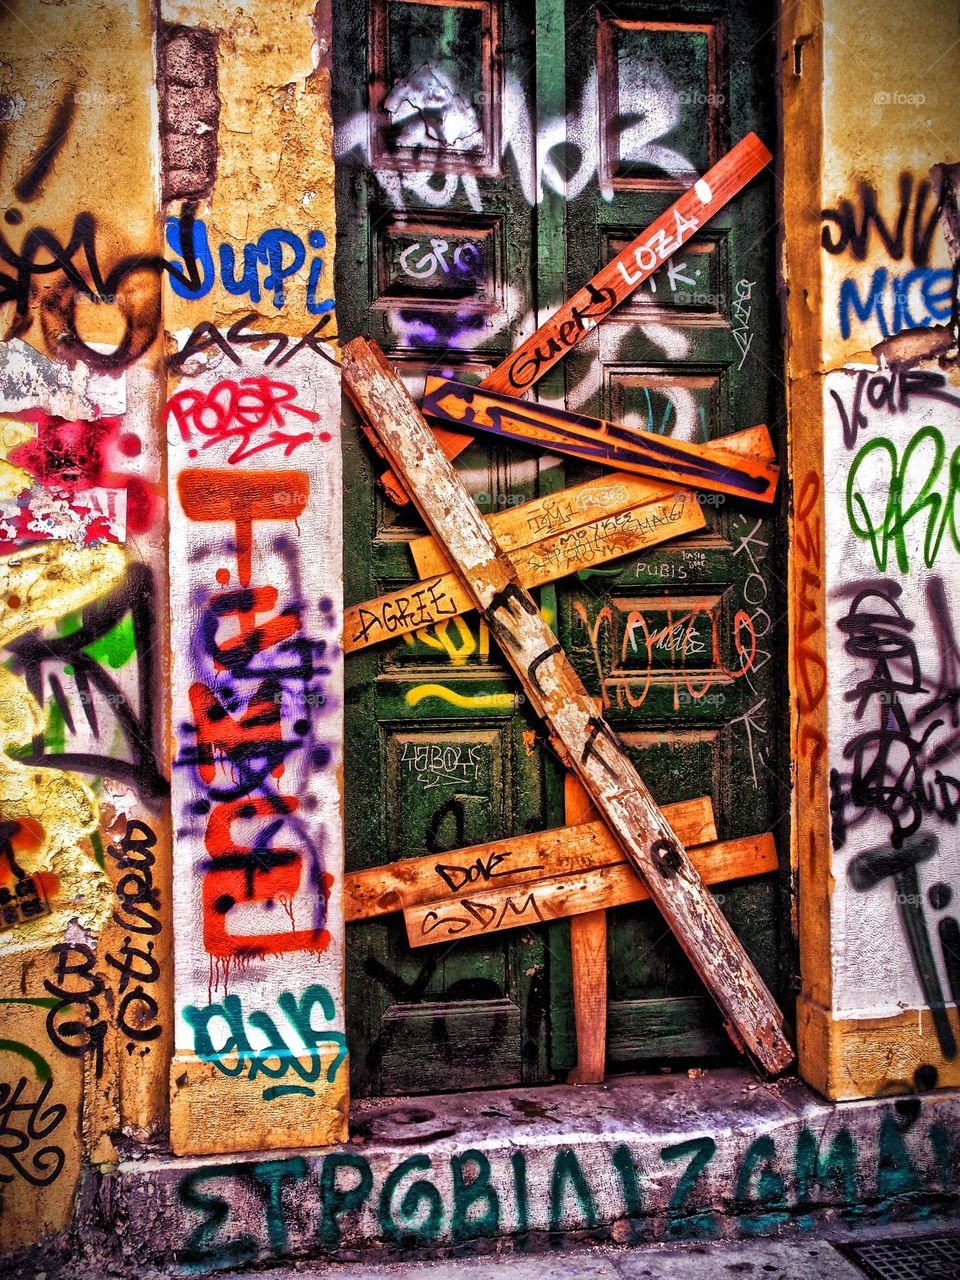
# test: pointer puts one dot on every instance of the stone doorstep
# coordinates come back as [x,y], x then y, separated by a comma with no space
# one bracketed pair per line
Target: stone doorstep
[648,1158]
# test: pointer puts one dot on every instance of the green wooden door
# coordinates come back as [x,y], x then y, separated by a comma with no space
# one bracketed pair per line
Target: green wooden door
[435,261]
[490,157]
[685,646]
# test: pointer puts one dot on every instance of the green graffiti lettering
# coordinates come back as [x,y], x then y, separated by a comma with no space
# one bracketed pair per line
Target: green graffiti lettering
[466,1194]
[933,497]
[566,1169]
[269,1175]
[626,1170]
[896,1174]
[771,1193]
[337,1201]
[201,1249]
[419,1195]
[519,1163]
[683,1223]
[838,1166]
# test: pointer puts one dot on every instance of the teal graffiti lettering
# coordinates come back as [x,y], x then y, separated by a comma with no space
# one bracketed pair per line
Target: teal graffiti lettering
[235,1055]
[566,1170]
[838,1166]
[931,497]
[337,1201]
[771,1193]
[682,1222]
[477,1191]
[896,1175]
[420,1199]
[518,1162]
[201,1249]
[626,1171]
[270,1175]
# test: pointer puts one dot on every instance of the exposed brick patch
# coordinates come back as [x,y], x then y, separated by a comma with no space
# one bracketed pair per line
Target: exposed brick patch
[189,110]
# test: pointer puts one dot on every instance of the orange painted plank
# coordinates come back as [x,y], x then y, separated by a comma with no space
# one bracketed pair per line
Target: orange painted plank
[646,453]
[526,523]
[588,962]
[509,905]
[443,596]
[613,284]
[376,891]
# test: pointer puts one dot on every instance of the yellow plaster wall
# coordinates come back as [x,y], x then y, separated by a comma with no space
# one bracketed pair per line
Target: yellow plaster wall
[76,78]
[890,104]
[274,165]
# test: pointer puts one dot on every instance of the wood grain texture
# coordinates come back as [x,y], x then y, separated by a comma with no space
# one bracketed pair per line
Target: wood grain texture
[588,961]
[614,283]
[443,596]
[580,504]
[376,891]
[583,739]
[645,453]
[508,905]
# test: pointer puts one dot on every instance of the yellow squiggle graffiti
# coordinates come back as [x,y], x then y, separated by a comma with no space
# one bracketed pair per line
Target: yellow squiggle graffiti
[437,636]
[468,702]
[37,586]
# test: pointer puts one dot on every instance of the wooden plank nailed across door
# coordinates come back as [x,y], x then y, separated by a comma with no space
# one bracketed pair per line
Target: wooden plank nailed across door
[508,905]
[582,738]
[593,439]
[376,891]
[580,504]
[444,596]
[613,284]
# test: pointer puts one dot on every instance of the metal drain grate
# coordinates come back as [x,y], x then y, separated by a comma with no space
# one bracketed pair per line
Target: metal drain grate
[930,1259]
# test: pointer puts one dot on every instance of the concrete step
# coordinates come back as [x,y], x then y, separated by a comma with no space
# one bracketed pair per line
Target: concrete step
[636,1160]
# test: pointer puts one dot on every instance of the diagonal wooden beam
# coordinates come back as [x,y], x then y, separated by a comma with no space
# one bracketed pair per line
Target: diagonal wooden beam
[580,504]
[582,737]
[646,453]
[612,284]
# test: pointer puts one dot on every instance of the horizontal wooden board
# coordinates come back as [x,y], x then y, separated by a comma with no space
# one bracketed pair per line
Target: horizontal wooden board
[671,1027]
[562,512]
[512,904]
[376,891]
[596,440]
[443,596]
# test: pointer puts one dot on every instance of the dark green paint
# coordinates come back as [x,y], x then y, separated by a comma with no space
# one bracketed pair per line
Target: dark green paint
[421,1206]
[475,1194]
[568,1173]
[681,1221]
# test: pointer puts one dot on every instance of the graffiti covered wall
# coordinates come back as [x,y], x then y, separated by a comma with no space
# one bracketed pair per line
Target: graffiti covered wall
[876,399]
[891,471]
[164,286]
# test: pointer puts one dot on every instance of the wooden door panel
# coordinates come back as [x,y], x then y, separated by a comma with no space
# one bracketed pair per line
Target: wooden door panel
[660,104]
[677,640]
[434,262]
